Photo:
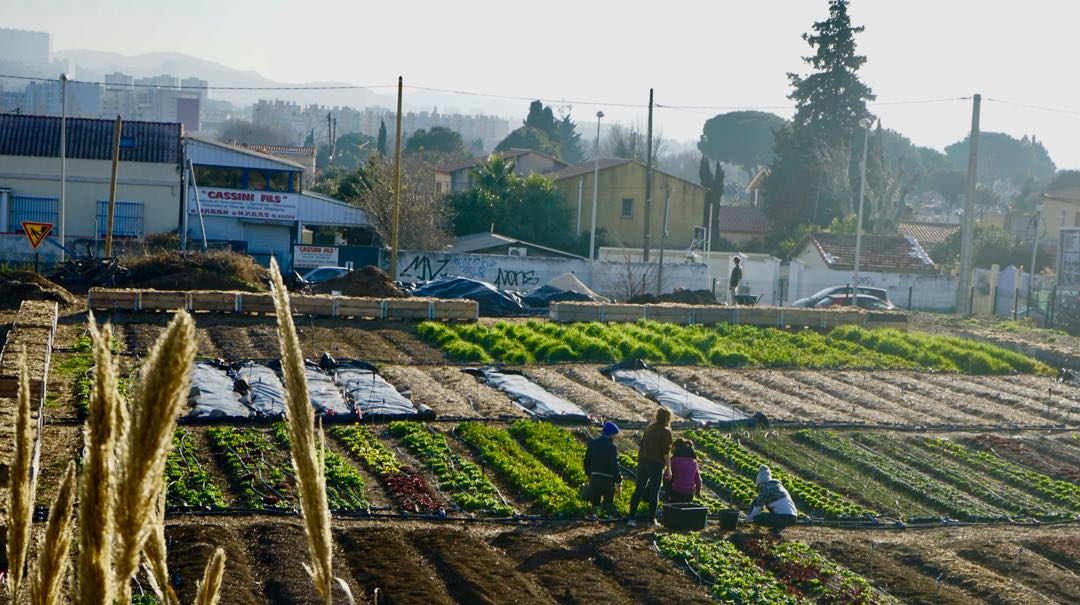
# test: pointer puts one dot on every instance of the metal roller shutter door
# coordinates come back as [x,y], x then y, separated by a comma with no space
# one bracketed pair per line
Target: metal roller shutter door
[218,228]
[269,239]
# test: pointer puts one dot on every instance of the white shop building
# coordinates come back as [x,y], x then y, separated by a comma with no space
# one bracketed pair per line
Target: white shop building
[253,201]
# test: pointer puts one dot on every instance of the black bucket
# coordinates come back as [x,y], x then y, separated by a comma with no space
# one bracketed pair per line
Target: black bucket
[729,519]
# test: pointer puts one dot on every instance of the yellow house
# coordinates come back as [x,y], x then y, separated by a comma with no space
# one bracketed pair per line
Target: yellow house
[620,203]
[1060,209]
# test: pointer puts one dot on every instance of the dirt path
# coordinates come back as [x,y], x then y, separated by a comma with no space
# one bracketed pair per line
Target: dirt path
[429,391]
[593,402]
[589,376]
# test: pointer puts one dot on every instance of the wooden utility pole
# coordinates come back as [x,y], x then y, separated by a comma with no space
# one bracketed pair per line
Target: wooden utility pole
[648,181]
[397,186]
[112,188]
[663,241]
[967,227]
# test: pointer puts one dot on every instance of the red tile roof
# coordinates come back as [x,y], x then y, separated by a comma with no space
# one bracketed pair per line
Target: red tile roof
[1065,195]
[509,154]
[743,219]
[884,253]
[587,167]
[89,139]
[928,234]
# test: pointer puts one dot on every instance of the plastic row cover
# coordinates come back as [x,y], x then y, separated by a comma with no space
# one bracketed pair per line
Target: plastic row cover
[643,379]
[255,390]
[528,395]
[373,395]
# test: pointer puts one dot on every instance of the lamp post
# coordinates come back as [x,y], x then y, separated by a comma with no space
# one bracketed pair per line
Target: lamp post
[595,176]
[865,124]
[63,158]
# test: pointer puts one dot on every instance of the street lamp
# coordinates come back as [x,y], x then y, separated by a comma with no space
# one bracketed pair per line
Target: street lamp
[865,124]
[63,158]
[595,176]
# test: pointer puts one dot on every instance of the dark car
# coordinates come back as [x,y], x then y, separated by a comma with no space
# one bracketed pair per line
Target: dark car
[812,301]
[863,301]
[324,273]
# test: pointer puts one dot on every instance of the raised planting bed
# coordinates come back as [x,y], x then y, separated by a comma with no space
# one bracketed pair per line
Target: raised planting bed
[814,576]
[721,345]
[534,480]
[733,578]
[562,452]
[461,479]
[567,312]
[190,484]
[344,483]
[258,468]
[406,485]
[810,496]
[937,494]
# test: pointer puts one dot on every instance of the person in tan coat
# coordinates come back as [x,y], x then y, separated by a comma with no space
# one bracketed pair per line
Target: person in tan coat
[654,455]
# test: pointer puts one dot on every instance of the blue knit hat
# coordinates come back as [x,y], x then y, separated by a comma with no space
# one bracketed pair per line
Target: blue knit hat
[610,428]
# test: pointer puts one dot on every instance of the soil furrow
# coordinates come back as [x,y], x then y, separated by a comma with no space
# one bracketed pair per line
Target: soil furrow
[383,559]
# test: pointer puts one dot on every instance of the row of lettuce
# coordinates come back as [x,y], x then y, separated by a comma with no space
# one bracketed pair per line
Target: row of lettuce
[854,475]
[722,345]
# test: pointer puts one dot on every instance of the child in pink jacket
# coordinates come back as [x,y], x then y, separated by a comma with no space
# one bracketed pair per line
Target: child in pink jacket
[683,478]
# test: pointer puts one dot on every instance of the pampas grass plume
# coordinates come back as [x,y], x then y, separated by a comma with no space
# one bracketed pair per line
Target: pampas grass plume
[209,588]
[23,485]
[54,560]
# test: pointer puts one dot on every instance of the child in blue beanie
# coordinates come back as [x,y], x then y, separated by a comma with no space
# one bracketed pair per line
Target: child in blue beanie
[602,467]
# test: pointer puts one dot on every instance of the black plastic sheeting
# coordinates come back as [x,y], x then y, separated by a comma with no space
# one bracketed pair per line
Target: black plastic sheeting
[542,297]
[637,375]
[371,394]
[261,388]
[324,393]
[492,301]
[528,395]
[212,393]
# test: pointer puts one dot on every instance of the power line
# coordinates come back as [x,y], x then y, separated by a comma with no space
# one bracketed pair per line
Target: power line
[335,87]
[1036,107]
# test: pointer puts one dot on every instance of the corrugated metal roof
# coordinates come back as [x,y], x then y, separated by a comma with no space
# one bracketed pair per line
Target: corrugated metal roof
[509,154]
[89,139]
[318,209]
[206,151]
[477,242]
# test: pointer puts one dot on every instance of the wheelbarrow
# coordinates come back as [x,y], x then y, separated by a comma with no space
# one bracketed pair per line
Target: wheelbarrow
[748,299]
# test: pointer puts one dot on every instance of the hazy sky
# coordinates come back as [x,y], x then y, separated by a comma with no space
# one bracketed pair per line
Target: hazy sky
[719,54]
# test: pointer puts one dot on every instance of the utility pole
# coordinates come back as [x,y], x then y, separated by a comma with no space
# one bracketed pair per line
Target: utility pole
[967,227]
[63,159]
[397,186]
[663,240]
[112,189]
[648,180]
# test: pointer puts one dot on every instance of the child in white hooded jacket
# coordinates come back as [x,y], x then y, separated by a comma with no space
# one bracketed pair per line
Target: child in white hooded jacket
[772,497]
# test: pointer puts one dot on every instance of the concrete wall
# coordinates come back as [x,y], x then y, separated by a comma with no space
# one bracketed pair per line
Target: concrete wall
[761,272]
[529,273]
[157,186]
[929,292]
[16,250]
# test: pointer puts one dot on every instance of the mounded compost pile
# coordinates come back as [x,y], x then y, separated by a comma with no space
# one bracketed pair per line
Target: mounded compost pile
[172,270]
[17,286]
[368,281]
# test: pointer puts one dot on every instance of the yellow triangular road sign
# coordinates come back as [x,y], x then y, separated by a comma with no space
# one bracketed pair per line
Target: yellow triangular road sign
[36,232]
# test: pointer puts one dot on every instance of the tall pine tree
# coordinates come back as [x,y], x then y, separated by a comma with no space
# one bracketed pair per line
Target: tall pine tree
[812,174]
[381,144]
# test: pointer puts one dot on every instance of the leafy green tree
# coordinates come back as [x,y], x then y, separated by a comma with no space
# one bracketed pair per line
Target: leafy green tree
[1003,158]
[992,245]
[542,118]
[381,146]
[529,208]
[744,138]
[570,141]
[530,138]
[242,131]
[811,174]
[438,140]
[949,184]
[352,150]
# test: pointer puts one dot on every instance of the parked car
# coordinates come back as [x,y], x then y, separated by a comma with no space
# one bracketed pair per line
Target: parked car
[322,274]
[812,301]
[863,301]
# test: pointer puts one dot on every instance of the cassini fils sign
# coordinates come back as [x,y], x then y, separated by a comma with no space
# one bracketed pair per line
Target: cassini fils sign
[240,203]
[315,256]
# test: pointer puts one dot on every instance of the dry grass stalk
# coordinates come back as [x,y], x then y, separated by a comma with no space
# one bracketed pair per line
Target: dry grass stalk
[208,591]
[53,562]
[145,440]
[23,486]
[96,585]
[300,419]
[156,553]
